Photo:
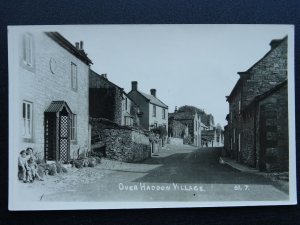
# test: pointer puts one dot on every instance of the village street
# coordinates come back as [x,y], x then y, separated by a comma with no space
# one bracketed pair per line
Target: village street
[175,174]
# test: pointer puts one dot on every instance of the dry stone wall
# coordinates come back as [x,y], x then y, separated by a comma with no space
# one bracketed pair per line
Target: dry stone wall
[122,143]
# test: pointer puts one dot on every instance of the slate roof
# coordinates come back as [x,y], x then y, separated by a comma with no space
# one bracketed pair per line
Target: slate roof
[264,95]
[276,42]
[58,38]
[56,106]
[153,100]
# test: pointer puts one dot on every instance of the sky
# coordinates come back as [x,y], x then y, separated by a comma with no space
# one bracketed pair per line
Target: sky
[187,64]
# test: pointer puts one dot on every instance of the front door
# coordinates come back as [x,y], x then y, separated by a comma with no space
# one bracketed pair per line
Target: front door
[57,132]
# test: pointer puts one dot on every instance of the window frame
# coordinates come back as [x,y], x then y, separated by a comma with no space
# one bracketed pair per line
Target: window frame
[74,77]
[73,128]
[154,111]
[27,122]
[28,49]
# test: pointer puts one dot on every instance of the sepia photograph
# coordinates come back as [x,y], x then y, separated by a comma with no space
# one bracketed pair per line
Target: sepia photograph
[151,116]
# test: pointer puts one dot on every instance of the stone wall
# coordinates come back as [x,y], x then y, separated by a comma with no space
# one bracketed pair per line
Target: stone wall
[243,130]
[175,141]
[275,148]
[122,143]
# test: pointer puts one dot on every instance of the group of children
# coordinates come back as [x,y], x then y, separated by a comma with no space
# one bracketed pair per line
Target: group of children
[27,166]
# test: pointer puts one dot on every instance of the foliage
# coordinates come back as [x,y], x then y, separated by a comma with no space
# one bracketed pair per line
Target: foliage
[192,109]
[161,131]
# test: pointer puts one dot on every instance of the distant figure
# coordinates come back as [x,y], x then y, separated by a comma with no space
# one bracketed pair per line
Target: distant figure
[206,144]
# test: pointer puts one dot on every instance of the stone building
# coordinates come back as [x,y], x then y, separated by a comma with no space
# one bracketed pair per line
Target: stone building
[257,104]
[109,101]
[154,113]
[192,121]
[178,132]
[49,81]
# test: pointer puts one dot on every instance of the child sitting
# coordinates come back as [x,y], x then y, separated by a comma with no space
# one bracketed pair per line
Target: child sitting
[23,167]
[33,169]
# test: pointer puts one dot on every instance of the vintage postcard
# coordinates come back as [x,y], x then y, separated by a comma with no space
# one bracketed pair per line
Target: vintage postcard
[151,116]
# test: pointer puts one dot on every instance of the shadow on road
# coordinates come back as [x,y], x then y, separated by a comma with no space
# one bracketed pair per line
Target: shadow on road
[198,166]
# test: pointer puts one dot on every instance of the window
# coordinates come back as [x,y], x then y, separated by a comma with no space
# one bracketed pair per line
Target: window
[74,76]
[73,127]
[163,113]
[28,50]
[27,119]
[154,111]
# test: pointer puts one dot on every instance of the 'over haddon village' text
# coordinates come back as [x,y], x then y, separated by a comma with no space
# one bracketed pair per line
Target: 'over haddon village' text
[167,187]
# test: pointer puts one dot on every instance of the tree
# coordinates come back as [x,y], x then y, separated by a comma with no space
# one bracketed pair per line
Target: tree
[160,130]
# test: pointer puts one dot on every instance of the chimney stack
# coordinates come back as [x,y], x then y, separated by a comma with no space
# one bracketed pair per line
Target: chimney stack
[81,45]
[134,85]
[175,109]
[104,75]
[77,45]
[153,92]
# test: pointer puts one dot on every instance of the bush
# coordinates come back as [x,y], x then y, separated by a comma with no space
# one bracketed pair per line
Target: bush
[161,131]
[58,167]
[92,162]
[53,169]
[98,159]
[64,170]
[78,163]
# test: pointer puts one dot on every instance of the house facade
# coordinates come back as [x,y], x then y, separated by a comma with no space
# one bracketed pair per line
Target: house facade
[109,101]
[153,112]
[50,101]
[254,125]
[192,122]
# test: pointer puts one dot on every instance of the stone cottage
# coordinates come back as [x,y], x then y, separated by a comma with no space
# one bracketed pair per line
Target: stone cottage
[178,132]
[193,123]
[154,113]
[49,81]
[108,100]
[257,121]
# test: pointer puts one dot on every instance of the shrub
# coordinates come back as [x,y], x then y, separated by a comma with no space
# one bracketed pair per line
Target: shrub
[78,163]
[58,167]
[53,169]
[92,162]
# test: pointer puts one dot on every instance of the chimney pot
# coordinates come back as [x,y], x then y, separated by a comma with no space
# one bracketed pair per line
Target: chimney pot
[77,45]
[134,85]
[81,45]
[153,92]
